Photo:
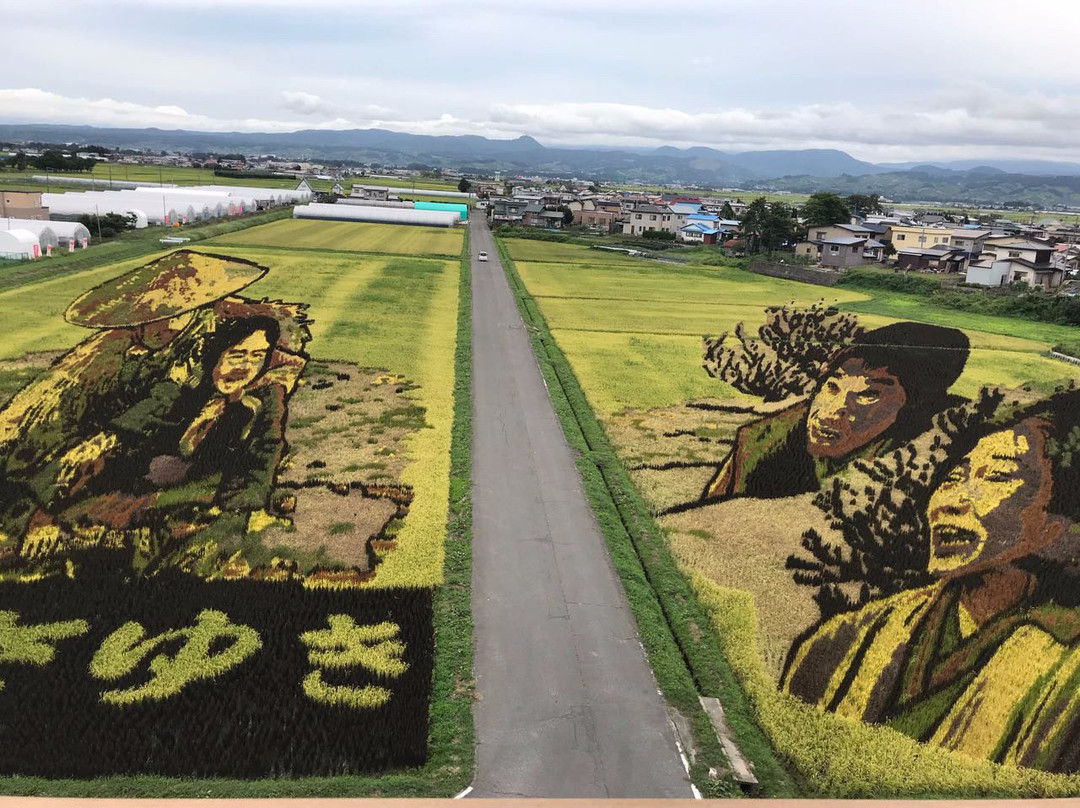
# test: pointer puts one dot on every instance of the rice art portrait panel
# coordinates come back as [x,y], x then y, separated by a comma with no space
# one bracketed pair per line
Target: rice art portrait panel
[913,554]
[192,523]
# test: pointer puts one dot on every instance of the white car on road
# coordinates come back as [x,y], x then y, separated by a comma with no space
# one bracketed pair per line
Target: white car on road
[481,256]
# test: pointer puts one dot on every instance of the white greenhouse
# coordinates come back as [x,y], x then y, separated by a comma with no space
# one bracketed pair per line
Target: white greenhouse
[361,213]
[55,235]
[19,245]
[170,205]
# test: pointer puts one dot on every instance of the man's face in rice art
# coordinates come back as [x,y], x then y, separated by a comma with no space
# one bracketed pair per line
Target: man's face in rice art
[855,404]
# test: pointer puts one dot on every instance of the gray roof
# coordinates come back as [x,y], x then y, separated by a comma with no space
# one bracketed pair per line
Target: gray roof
[847,241]
[1024,245]
[939,251]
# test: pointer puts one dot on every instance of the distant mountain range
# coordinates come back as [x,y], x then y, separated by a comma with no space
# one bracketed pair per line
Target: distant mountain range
[966,181]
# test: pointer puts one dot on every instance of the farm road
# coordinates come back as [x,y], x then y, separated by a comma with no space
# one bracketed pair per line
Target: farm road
[568,706]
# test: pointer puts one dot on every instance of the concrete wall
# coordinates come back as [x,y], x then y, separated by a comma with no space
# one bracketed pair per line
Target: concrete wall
[818,277]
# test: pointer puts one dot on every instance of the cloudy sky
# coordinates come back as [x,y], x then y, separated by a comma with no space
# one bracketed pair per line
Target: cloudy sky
[887,80]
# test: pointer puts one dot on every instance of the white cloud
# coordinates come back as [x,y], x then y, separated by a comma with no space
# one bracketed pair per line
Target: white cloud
[304,103]
[961,122]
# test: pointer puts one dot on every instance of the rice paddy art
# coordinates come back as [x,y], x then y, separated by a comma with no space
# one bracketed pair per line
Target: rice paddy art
[194,514]
[876,505]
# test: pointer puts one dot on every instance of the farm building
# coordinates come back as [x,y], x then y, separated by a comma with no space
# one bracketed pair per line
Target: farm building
[23,204]
[359,189]
[460,209]
[364,213]
[18,245]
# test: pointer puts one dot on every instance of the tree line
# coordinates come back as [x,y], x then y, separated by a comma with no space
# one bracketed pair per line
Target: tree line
[769,226]
[50,160]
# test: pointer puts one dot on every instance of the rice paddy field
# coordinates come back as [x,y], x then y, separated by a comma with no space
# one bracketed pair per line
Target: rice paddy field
[741,504]
[366,475]
[651,317]
[351,237]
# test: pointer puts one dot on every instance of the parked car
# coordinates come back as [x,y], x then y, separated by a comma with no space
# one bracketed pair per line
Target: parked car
[481,256]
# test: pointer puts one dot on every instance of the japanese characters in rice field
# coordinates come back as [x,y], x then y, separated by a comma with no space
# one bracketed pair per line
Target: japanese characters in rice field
[192,516]
[914,555]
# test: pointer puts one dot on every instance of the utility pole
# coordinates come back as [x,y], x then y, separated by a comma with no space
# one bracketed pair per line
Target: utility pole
[97,218]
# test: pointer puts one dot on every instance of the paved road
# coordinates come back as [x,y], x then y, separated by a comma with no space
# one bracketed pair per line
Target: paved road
[568,706]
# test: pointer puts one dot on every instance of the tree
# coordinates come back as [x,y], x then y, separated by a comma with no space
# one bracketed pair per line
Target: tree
[864,204]
[790,353]
[889,250]
[727,212]
[825,208]
[108,225]
[767,226]
[464,185]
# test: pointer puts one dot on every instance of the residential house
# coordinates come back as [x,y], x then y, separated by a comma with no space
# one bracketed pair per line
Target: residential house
[826,232]
[1007,226]
[504,210]
[644,218]
[970,240]
[378,193]
[701,228]
[1066,233]
[605,221]
[1067,257]
[873,251]
[681,213]
[699,233]
[1030,262]
[536,215]
[921,236]
[842,252]
[940,258]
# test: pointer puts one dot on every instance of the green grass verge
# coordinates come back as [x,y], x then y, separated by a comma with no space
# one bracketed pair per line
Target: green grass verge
[128,245]
[450,736]
[675,631]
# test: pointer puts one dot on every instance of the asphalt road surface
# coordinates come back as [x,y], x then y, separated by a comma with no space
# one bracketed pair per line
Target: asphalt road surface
[567,706]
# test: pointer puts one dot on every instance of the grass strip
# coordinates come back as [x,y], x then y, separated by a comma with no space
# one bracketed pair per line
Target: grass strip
[450,735]
[676,632]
